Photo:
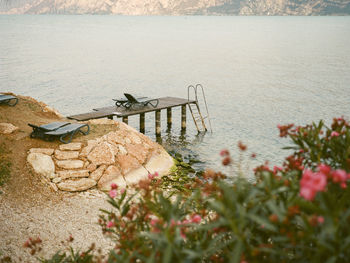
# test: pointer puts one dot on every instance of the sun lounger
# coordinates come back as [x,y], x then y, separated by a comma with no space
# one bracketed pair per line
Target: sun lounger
[125,102]
[8,99]
[141,101]
[64,130]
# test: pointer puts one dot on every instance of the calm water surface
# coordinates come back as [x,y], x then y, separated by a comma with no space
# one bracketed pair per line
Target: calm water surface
[257,71]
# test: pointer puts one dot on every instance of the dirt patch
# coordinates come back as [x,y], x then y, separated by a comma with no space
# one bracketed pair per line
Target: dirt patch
[28,206]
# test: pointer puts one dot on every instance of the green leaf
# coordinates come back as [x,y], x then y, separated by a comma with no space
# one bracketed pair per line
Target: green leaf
[237,252]
[262,222]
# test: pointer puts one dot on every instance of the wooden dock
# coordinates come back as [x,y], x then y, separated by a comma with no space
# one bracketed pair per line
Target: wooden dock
[164,103]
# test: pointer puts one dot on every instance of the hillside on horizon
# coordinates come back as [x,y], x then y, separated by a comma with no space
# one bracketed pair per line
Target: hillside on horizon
[177,7]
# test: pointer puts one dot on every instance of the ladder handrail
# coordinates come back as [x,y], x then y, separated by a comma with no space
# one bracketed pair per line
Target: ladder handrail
[195,89]
[205,102]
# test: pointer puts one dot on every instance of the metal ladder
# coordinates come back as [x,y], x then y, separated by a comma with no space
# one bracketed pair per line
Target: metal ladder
[197,116]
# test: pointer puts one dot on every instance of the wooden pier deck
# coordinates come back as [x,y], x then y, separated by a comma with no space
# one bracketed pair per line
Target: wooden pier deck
[164,103]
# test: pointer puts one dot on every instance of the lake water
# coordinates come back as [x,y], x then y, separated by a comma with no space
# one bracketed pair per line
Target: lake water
[257,71]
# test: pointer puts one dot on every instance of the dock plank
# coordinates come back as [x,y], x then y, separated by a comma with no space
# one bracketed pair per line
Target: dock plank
[91,115]
[164,103]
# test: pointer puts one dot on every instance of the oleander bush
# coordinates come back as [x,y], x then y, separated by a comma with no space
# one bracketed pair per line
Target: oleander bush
[299,212]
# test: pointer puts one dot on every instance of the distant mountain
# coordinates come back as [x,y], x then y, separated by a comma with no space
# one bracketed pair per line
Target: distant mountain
[177,7]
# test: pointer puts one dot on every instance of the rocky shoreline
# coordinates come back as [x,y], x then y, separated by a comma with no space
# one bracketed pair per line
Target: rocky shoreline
[56,190]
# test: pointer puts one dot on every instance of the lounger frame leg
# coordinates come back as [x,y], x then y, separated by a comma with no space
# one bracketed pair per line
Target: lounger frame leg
[13,103]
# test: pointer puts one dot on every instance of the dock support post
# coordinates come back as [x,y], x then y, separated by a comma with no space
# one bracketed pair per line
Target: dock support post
[158,130]
[183,117]
[142,122]
[169,120]
[125,119]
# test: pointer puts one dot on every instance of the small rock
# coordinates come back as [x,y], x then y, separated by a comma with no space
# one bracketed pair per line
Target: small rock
[97,174]
[7,128]
[42,164]
[135,138]
[102,154]
[86,150]
[74,146]
[56,180]
[122,150]
[66,155]
[53,187]
[70,164]
[76,185]
[73,174]
[46,151]
[115,137]
[91,167]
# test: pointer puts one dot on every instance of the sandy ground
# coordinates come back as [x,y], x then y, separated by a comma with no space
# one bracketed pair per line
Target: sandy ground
[29,207]
[53,221]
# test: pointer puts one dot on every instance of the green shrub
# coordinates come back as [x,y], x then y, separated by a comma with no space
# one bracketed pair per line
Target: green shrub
[295,213]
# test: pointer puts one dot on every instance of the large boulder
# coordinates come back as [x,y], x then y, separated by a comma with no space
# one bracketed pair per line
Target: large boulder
[42,164]
[127,163]
[159,162]
[111,175]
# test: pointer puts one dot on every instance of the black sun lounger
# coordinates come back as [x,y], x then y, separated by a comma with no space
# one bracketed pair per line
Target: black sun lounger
[141,102]
[8,99]
[125,102]
[64,130]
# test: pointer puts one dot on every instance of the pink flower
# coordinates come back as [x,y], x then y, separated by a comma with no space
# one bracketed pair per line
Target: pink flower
[114,186]
[311,183]
[154,222]
[339,176]
[276,169]
[152,176]
[320,219]
[186,221]
[307,193]
[196,218]
[110,224]
[323,168]
[122,190]
[172,223]
[113,193]
[335,134]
